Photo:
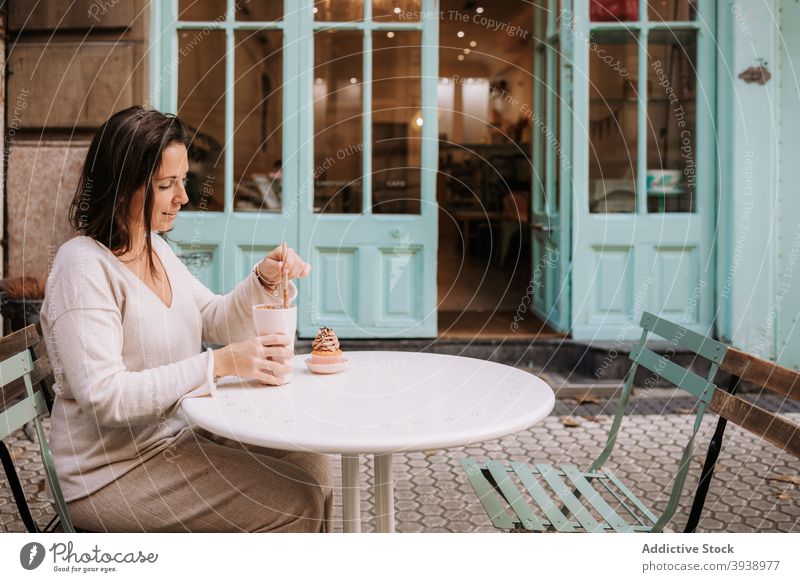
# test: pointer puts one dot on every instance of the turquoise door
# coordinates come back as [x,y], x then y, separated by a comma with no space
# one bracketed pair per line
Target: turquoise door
[552,182]
[221,66]
[315,125]
[367,214]
[643,157]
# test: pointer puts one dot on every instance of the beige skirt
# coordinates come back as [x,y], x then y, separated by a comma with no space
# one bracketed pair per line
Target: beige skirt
[203,483]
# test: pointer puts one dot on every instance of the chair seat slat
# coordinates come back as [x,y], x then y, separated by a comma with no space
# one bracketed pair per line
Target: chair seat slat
[566,495]
[620,499]
[593,496]
[514,496]
[629,494]
[486,494]
[558,520]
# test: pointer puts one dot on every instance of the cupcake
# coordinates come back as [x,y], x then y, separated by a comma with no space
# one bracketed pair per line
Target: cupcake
[325,349]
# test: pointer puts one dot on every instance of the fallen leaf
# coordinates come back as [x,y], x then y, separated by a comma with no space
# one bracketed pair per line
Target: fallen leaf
[593,418]
[587,398]
[683,411]
[570,421]
[41,486]
[784,495]
[794,479]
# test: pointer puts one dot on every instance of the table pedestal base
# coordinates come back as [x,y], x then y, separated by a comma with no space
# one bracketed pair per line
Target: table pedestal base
[351,502]
[384,494]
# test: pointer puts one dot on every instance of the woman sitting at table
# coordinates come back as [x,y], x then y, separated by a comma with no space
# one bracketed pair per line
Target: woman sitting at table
[123,321]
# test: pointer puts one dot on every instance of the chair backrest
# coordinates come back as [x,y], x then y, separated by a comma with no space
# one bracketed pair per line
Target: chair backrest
[767,375]
[29,338]
[23,399]
[664,366]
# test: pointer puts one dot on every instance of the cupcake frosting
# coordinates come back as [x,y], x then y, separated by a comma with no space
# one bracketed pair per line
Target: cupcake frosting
[326,341]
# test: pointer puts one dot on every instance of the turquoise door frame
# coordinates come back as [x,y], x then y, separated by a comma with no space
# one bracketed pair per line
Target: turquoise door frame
[623,264]
[374,275]
[552,177]
[222,247]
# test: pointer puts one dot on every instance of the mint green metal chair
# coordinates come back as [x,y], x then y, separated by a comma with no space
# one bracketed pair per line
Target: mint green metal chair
[25,400]
[541,497]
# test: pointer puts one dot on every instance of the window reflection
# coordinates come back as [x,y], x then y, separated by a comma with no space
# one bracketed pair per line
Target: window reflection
[262,11]
[672,10]
[205,10]
[258,114]
[338,104]
[613,121]
[671,114]
[396,122]
[396,10]
[338,11]
[201,103]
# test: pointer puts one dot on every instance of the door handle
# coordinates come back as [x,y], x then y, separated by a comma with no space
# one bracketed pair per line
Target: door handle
[542,227]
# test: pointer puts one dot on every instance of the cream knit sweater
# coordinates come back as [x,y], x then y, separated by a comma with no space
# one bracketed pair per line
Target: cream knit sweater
[124,361]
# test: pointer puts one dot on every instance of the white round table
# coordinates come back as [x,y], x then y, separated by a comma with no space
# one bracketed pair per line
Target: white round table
[384,403]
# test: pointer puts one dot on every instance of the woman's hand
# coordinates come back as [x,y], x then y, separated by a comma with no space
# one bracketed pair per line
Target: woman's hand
[249,359]
[294,267]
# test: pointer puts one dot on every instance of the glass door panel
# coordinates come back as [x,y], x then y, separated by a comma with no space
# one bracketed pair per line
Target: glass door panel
[201,104]
[338,121]
[613,122]
[396,10]
[205,10]
[329,11]
[672,10]
[258,120]
[396,122]
[671,119]
[260,11]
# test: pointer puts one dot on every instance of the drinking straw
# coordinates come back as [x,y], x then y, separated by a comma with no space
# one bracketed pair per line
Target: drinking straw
[284,277]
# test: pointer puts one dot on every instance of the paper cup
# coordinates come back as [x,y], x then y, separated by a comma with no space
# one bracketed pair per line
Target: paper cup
[269,320]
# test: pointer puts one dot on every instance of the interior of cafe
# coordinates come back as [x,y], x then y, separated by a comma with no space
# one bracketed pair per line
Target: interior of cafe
[485,169]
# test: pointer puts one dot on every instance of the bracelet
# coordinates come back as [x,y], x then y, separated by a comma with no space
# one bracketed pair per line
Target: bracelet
[268,287]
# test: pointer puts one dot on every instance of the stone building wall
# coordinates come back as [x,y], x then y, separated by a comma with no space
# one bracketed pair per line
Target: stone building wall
[71,64]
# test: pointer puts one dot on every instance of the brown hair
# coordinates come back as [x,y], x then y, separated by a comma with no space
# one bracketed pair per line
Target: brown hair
[125,154]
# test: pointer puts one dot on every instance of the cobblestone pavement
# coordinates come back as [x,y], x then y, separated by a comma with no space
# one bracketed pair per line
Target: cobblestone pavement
[756,486]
